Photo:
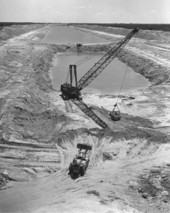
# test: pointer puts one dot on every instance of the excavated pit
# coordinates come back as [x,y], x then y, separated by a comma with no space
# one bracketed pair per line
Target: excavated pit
[129,165]
[112,176]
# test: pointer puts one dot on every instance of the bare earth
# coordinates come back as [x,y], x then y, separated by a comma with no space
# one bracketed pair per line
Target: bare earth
[129,169]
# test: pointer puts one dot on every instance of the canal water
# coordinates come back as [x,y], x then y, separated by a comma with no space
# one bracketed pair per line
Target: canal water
[70,35]
[108,82]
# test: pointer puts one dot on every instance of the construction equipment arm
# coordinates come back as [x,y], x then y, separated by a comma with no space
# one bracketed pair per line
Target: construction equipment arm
[89,113]
[104,61]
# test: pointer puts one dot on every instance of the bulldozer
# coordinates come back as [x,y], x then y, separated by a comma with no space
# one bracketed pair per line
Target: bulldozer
[80,162]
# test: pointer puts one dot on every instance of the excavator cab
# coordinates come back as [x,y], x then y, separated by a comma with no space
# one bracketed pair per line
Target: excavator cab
[115,114]
[68,90]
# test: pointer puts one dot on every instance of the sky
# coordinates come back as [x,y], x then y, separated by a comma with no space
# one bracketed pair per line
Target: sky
[86,11]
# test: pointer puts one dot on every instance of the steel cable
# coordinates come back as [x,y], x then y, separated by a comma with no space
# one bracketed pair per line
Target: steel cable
[124,76]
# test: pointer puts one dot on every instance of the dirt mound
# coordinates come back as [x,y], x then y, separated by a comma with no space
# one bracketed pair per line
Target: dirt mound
[7,32]
[28,118]
[113,175]
[143,34]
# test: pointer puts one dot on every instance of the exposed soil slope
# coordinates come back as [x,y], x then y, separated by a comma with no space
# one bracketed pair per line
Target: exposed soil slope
[129,168]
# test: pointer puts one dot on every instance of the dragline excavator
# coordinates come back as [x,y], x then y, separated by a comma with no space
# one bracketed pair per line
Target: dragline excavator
[72,90]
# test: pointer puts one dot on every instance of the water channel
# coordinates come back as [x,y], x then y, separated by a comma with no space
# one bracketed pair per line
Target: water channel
[109,81]
[70,35]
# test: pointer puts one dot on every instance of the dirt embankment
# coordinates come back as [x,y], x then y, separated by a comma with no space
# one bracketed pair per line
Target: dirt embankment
[38,137]
[147,53]
[143,34]
[28,118]
[8,32]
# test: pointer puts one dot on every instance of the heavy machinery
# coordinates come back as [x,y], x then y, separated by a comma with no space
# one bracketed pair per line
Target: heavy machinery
[81,161]
[72,90]
[115,113]
[79,45]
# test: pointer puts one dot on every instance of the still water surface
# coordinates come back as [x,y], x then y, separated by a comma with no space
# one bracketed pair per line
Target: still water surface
[67,35]
[108,82]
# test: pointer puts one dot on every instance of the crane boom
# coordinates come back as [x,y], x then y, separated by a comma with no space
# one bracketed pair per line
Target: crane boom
[71,90]
[84,108]
[104,61]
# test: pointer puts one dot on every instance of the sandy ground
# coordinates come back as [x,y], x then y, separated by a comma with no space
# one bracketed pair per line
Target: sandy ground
[130,161]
